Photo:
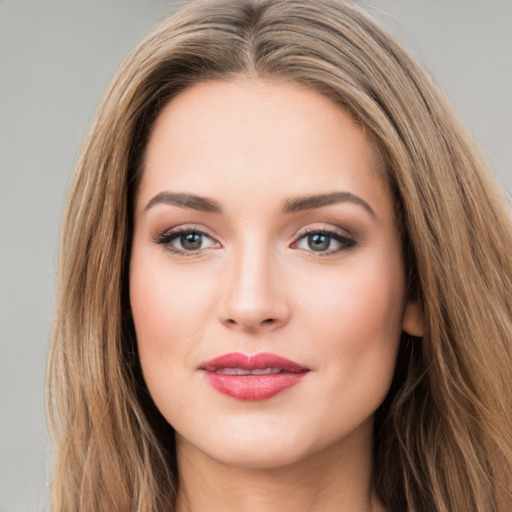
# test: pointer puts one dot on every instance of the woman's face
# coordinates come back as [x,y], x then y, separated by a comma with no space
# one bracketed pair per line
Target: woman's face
[266,281]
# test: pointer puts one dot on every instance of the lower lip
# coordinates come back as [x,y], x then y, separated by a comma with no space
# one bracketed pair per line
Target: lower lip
[252,387]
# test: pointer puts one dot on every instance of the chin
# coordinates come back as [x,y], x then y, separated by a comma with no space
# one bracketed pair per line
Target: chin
[259,456]
[273,444]
[252,447]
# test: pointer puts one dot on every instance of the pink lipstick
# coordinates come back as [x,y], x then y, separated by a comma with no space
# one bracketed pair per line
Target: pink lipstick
[252,377]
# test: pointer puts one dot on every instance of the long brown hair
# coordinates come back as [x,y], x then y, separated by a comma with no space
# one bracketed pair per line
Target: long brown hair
[443,437]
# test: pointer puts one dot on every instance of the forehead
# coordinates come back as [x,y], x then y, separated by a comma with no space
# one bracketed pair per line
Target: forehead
[251,136]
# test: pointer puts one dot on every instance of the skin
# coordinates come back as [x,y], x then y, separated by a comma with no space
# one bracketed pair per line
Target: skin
[256,285]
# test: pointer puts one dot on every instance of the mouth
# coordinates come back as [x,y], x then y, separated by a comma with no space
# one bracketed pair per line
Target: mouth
[241,371]
[252,377]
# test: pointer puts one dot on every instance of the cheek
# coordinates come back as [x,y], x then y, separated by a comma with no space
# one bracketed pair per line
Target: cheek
[166,304]
[358,318]
[170,311]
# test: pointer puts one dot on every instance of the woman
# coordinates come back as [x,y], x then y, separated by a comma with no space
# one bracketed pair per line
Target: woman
[285,279]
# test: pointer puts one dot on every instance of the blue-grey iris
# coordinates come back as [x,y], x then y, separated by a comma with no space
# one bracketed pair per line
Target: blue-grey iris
[191,241]
[319,242]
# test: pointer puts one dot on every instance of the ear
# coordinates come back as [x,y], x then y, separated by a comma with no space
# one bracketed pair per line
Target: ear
[413,322]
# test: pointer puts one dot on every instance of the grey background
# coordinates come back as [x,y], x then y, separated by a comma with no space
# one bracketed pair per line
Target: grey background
[56,58]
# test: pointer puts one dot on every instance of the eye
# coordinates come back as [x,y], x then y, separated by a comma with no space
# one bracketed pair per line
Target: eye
[185,241]
[324,241]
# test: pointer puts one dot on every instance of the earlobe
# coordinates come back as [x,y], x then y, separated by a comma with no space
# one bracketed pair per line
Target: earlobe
[413,322]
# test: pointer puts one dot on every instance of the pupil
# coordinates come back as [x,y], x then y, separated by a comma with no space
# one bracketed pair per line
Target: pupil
[191,241]
[319,242]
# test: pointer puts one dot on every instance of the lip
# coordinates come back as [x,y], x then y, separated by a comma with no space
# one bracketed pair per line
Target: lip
[252,387]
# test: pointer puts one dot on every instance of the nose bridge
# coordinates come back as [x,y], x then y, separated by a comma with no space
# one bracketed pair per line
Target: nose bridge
[254,297]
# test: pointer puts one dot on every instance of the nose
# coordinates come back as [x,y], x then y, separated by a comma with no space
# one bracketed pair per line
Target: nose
[255,296]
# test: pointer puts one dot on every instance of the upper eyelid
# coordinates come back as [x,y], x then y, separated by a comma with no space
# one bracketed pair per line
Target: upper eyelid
[307,230]
[347,241]
[166,238]
[187,228]
[302,232]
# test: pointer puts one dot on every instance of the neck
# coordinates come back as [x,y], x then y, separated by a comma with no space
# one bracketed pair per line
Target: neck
[336,478]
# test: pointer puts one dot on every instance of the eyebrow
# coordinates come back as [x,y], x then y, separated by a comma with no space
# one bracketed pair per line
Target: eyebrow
[318,201]
[189,201]
[293,205]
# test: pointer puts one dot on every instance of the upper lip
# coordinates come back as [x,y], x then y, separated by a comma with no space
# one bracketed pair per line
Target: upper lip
[252,362]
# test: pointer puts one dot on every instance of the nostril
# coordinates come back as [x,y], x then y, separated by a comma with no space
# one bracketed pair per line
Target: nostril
[267,321]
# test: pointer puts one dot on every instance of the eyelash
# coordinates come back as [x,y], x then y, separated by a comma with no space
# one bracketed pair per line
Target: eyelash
[345,242]
[166,238]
